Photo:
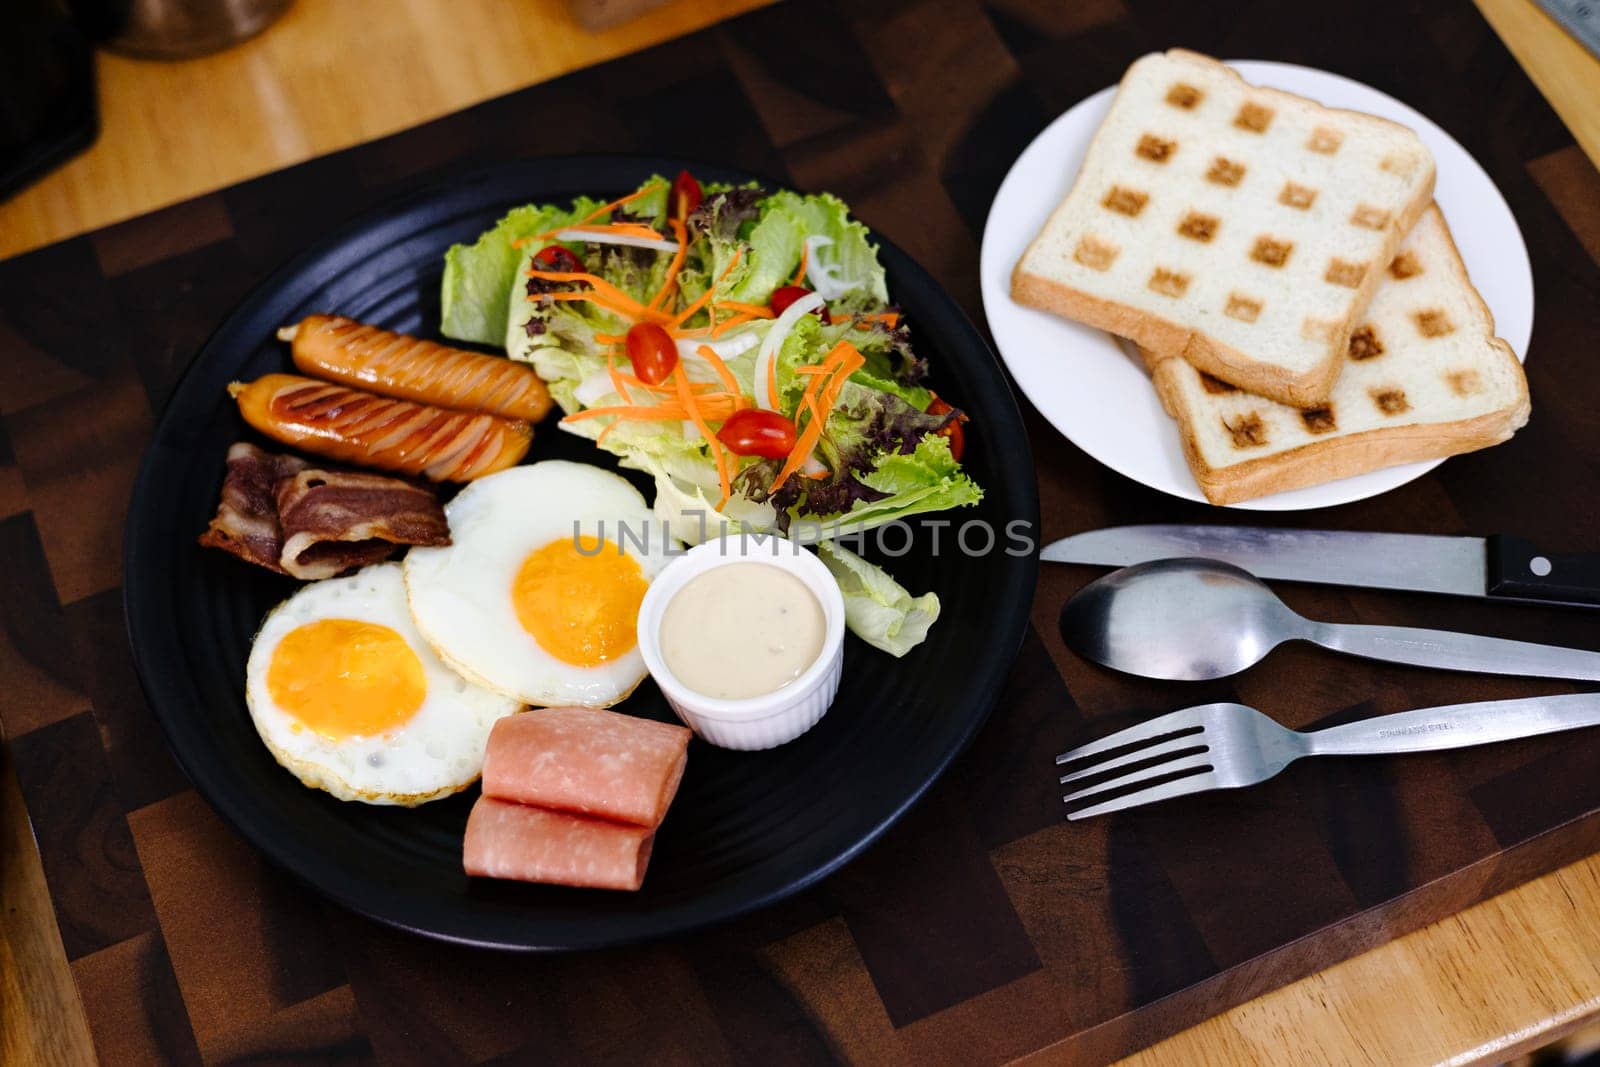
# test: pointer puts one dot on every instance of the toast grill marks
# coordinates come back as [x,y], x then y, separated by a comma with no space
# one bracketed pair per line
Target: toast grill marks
[1425,364]
[1270,194]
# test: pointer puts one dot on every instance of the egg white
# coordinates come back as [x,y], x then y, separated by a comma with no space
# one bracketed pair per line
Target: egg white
[436,752]
[461,594]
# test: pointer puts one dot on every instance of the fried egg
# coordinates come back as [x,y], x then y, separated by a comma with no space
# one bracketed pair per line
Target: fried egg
[537,595]
[349,698]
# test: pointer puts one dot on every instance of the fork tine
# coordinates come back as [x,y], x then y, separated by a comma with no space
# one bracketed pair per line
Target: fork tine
[1177,746]
[1145,731]
[1193,783]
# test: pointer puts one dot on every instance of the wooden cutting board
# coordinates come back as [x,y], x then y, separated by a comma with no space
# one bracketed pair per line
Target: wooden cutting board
[981,928]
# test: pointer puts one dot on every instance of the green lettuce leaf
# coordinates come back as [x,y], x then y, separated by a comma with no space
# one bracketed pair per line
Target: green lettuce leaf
[774,243]
[877,608]
[806,344]
[843,260]
[926,480]
[478,278]
[914,395]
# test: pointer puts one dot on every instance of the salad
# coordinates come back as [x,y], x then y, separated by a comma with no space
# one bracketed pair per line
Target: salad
[740,347]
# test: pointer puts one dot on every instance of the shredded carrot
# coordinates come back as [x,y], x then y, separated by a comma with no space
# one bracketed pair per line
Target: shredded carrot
[851,362]
[603,293]
[610,338]
[889,318]
[675,266]
[687,398]
[617,384]
[622,311]
[805,254]
[813,429]
[714,407]
[632,413]
[772,380]
[729,382]
[753,310]
[803,446]
[617,229]
[728,324]
[700,301]
[590,217]
[687,313]
[598,284]
[821,394]
[619,202]
[621,378]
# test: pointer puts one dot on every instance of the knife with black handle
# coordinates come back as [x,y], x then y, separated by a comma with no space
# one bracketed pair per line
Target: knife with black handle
[1520,571]
[1499,567]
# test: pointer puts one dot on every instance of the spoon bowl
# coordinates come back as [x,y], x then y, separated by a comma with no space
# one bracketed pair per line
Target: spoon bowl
[1183,620]
[1192,620]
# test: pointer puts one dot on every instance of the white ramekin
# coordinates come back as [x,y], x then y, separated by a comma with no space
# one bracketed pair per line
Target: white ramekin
[773,718]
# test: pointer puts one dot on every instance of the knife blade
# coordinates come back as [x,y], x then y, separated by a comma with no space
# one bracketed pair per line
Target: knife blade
[1500,567]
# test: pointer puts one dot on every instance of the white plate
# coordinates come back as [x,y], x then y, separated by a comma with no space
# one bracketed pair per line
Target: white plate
[1099,396]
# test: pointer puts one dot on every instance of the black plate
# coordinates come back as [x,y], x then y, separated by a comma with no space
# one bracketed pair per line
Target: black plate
[747,829]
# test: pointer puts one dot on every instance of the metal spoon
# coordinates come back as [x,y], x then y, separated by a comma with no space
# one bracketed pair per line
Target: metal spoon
[1197,619]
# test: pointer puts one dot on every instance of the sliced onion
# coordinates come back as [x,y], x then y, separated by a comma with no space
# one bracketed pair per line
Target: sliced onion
[730,347]
[813,467]
[661,245]
[771,343]
[824,279]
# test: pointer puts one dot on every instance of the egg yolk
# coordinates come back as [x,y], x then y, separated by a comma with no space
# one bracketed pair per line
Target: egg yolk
[346,678]
[580,601]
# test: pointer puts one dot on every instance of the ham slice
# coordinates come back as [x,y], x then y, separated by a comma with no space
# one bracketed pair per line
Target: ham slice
[506,840]
[587,761]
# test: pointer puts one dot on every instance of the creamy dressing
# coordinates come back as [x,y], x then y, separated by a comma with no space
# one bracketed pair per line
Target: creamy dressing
[741,630]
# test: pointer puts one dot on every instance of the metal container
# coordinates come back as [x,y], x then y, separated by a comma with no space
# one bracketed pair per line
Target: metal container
[179,29]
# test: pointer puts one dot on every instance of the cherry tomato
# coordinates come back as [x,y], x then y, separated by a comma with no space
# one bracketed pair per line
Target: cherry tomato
[785,295]
[957,436]
[685,196]
[652,352]
[557,258]
[753,432]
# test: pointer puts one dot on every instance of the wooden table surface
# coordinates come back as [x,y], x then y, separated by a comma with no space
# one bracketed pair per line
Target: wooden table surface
[1498,978]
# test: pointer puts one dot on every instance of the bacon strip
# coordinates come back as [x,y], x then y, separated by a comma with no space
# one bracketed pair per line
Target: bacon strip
[279,512]
[335,520]
[246,523]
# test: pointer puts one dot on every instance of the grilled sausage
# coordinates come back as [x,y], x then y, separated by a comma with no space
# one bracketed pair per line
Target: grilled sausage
[378,431]
[366,357]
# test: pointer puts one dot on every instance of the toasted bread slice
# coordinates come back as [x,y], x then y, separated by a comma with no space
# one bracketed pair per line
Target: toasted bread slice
[1424,377]
[1241,228]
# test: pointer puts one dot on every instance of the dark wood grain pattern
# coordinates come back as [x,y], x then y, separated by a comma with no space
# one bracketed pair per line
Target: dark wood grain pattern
[983,926]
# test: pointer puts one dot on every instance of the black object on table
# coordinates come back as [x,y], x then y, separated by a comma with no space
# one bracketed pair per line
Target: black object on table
[47,96]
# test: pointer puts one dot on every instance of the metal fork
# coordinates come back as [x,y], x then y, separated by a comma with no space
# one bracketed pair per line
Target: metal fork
[1225,746]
